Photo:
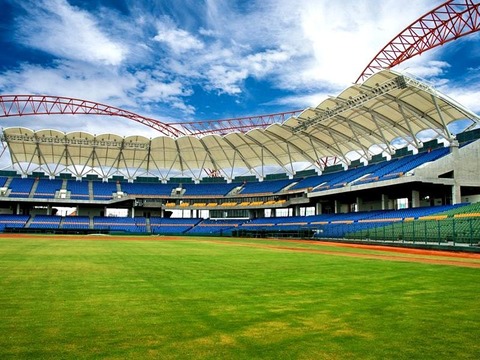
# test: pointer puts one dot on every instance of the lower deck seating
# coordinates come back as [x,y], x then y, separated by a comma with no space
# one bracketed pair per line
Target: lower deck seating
[215,227]
[455,222]
[76,222]
[172,226]
[45,222]
[13,221]
[122,224]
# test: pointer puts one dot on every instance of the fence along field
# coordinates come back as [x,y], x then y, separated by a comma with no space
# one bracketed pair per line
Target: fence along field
[197,298]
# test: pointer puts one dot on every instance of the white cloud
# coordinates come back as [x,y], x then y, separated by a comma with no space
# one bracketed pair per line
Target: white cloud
[299,101]
[178,40]
[226,79]
[345,36]
[162,91]
[140,92]
[424,67]
[467,96]
[68,32]
[306,48]
[71,80]
[299,46]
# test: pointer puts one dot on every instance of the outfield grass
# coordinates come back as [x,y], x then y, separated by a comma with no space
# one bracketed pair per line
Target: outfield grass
[200,299]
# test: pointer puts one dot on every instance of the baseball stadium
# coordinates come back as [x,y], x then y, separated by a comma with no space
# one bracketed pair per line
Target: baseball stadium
[354,235]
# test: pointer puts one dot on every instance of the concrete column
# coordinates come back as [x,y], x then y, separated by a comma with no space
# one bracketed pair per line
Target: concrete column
[454,150]
[338,207]
[359,202]
[391,204]
[18,208]
[456,190]
[384,202]
[456,194]
[297,210]
[415,199]
[318,208]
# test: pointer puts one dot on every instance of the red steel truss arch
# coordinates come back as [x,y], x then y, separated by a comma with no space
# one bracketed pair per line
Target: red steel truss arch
[447,22]
[241,124]
[26,105]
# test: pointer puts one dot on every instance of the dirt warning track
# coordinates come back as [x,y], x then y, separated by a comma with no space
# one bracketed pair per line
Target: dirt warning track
[377,252]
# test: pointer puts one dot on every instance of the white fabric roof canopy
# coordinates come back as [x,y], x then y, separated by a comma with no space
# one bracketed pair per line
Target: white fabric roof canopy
[388,106]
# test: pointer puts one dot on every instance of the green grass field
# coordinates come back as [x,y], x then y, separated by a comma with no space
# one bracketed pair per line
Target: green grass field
[200,298]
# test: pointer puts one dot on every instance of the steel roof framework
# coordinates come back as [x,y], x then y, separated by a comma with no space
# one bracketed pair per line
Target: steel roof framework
[388,108]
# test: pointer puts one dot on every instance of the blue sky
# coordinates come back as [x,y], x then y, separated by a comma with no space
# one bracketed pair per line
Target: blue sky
[184,60]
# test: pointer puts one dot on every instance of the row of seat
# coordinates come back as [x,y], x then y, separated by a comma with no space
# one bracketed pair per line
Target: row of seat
[337,225]
[185,204]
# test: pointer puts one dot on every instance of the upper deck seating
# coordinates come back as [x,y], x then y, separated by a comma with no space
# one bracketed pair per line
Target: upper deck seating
[266,186]
[21,188]
[103,190]
[46,188]
[148,189]
[369,173]
[211,189]
[78,189]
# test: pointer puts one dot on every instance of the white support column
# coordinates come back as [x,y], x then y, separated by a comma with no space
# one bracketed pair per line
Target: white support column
[338,207]
[415,199]
[456,189]
[318,208]
[456,194]
[359,202]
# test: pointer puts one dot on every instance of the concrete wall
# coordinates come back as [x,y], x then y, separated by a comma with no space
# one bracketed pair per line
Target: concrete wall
[471,198]
[465,164]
